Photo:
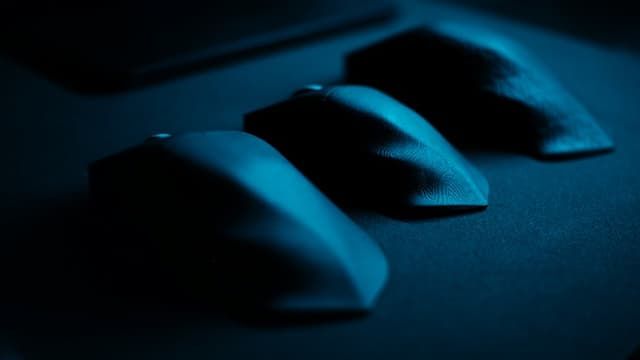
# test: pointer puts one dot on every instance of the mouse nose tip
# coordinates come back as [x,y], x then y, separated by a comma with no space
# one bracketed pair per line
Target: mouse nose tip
[308,89]
[157,137]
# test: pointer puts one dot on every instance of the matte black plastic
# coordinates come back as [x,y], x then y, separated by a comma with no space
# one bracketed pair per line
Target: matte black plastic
[480,90]
[230,200]
[362,146]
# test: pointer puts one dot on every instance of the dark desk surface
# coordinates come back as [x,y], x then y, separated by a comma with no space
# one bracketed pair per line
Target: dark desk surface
[549,270]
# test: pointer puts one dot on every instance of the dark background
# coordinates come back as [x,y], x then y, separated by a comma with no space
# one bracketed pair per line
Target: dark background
[609,22]
[549,270]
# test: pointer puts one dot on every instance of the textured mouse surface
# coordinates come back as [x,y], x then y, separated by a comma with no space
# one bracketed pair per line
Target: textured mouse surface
[480,90]
[231,197]
[363,146]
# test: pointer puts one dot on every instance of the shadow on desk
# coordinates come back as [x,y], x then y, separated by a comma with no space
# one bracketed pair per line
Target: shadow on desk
[63,288]
[73,277]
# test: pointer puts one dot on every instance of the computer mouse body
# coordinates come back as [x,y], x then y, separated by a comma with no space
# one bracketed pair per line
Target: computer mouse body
[229,204]
[481,90]
[363,147]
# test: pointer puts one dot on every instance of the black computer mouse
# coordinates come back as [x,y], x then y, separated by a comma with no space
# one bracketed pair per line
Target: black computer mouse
[480,90]
[230,205]
[364,148]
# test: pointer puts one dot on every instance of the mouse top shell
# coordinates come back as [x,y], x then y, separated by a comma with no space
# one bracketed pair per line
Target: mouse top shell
[231,196]
[481,90]
[364,147]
